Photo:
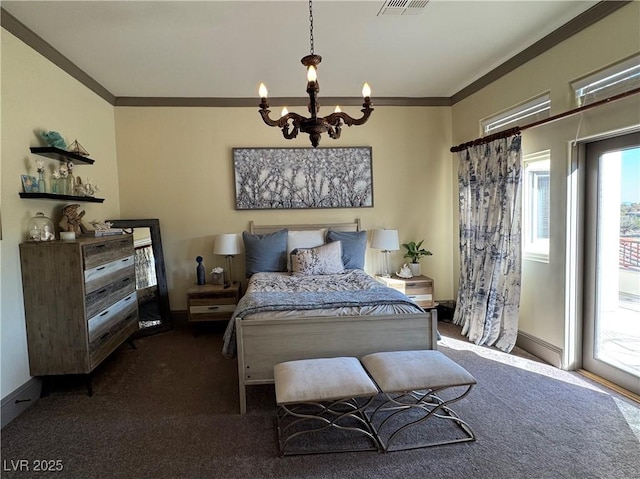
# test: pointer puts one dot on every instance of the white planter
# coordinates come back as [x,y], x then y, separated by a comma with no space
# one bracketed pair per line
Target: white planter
[415,269]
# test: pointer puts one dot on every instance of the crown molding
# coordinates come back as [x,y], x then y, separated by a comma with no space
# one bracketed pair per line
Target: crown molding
[579,23]
[582,21]
[276,101]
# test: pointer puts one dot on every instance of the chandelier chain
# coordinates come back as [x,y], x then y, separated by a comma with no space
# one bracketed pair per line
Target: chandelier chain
[311,26]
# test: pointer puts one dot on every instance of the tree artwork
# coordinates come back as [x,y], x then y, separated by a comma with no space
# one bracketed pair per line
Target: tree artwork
[288,178]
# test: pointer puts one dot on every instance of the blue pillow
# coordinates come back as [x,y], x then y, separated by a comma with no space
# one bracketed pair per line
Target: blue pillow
[265,253]
[354,247]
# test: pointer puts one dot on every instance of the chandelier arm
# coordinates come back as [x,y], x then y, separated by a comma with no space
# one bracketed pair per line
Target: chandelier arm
[334,132]
[264,113]
[347,120]
[283,123]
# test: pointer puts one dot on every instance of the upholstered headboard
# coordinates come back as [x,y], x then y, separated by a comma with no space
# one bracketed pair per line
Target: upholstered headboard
[265,229]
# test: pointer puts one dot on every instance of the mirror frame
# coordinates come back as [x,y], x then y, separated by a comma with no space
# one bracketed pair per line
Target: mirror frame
[156,244]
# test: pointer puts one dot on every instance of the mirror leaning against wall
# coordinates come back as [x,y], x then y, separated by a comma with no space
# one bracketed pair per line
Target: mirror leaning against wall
[151,279]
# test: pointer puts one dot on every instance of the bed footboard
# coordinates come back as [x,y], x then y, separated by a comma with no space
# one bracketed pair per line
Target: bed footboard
[263,343]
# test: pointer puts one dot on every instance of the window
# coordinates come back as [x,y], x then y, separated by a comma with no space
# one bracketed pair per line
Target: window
[619,78]
[529,112]
[536,205]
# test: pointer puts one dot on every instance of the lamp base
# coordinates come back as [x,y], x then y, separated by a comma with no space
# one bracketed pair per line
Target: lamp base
[228,277]
[385,271]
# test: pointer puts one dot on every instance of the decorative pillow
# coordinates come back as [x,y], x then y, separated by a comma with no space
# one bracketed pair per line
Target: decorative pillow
[325,259]
[354,247]
[265,253]
[303,239]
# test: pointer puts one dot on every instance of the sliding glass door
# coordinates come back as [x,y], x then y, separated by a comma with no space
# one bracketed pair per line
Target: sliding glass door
[611,346]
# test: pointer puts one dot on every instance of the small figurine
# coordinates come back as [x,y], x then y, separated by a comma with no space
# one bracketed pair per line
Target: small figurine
[200,270]
[72,220]
[405,272]
[53,138]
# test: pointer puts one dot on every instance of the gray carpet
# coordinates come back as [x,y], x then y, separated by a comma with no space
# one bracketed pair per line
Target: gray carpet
[168,410]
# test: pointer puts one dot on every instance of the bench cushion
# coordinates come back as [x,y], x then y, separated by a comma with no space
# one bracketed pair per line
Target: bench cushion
[413,370]
[323,379]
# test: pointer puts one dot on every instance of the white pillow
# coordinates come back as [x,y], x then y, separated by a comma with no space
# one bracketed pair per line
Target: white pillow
[325,259]
[303,239]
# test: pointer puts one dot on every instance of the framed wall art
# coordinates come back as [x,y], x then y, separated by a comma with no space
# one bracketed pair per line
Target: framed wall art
[29,184]
[295,178]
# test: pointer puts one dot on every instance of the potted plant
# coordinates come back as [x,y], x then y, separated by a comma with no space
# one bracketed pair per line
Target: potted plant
[415,251]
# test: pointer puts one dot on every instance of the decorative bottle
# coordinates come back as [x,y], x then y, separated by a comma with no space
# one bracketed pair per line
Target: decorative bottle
[42,186]
[200,270]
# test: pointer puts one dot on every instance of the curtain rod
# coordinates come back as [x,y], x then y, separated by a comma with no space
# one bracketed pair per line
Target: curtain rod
[518,129]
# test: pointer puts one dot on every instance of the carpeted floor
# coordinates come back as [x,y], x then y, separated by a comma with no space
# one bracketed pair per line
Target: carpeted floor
[169,410]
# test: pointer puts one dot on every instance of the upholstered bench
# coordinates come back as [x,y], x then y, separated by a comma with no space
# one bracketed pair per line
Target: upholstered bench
[324,398]
[417,389]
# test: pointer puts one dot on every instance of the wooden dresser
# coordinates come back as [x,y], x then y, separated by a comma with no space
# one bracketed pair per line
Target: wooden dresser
[79,300]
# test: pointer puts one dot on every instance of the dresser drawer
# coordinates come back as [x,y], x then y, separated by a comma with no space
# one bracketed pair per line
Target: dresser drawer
[102,298]
[109,340]
[103,275]
[95,254]
[101,323]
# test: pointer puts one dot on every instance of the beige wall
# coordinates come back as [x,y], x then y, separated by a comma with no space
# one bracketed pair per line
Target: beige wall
[175,164]
[544,306]
[37,95]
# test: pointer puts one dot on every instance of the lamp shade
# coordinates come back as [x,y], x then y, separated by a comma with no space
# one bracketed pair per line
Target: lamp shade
[385,240]
[227,244]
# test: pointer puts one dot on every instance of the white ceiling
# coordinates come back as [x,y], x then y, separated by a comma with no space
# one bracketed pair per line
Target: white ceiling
[224,49]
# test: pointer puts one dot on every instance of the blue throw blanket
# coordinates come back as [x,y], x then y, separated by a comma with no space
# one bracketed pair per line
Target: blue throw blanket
[259,302]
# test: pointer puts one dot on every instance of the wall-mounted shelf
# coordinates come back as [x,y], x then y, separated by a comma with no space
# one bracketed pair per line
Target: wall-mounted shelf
[61,155]
[53,196]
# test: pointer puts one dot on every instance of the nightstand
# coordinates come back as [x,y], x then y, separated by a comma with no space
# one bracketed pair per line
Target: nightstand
[212,302]
[418,288]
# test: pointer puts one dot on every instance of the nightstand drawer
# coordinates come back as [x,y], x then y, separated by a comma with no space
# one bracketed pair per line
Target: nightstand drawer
[219,308]
[418,288]
[211,312]
[423,300]
[212,302]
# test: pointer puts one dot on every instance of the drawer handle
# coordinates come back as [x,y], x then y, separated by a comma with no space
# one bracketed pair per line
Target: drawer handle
[102,291]
[127,298]
[126,280]
[104,335]
[410,285]
[125,260]
[100,268]
[104,313]
[101,245]
[214,307]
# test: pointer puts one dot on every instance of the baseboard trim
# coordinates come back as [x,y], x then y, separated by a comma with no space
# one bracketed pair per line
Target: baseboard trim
[539,348]
[20,400]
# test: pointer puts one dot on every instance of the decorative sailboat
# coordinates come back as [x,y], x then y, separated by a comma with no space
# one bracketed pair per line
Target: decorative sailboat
[77,148]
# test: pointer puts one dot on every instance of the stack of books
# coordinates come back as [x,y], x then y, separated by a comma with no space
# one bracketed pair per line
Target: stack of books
[108,232]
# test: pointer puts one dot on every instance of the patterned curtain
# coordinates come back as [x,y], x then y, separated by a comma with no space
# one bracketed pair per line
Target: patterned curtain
[489,197]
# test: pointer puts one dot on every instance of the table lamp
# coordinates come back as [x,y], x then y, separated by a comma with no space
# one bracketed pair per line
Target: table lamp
[387,241]
[227,245]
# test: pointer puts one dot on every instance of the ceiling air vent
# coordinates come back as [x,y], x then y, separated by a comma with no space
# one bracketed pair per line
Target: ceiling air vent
[403,7]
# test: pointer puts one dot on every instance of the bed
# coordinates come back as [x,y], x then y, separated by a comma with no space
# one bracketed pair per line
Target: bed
[357,316]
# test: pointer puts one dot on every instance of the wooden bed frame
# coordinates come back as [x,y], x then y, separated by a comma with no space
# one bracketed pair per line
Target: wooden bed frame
[263,343]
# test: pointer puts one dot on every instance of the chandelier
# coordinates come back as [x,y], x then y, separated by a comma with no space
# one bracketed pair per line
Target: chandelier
[292,123]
